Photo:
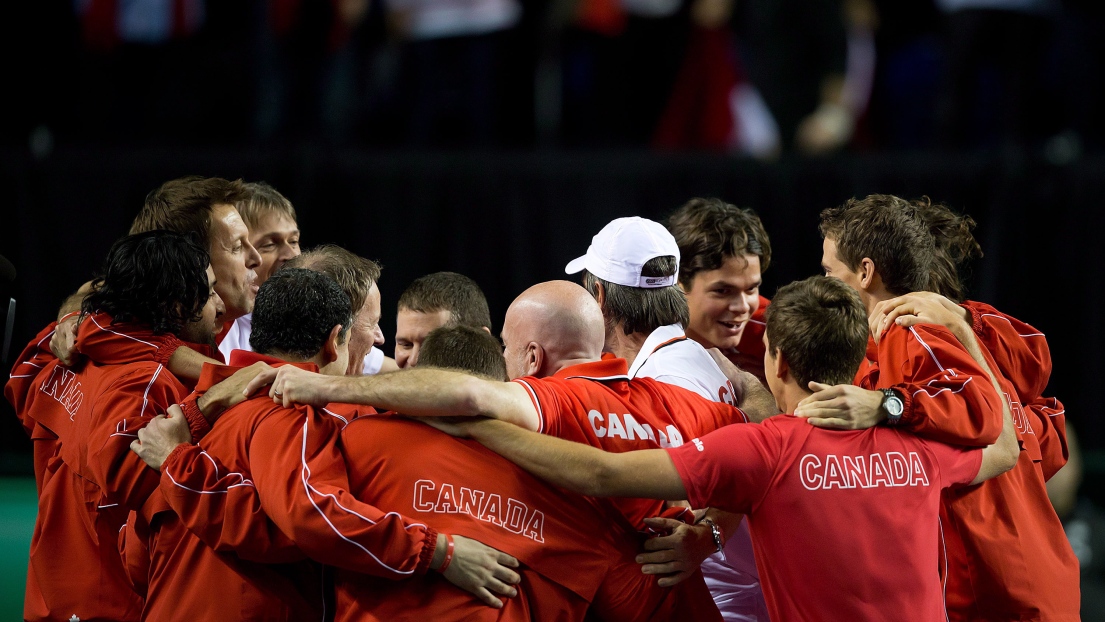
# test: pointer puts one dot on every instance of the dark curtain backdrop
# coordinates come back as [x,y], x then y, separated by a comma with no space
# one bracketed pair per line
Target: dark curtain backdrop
[511,220]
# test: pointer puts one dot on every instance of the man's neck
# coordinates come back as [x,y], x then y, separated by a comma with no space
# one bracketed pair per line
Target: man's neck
[623,345]
[565,363]
[791,395]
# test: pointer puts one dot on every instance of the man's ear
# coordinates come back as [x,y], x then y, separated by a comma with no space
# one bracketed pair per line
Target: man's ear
[535,359]
[867,274]
[782,367]
[330,348]
[600,294]
[486,329]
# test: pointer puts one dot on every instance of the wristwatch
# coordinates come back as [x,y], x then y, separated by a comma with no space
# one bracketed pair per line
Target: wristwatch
[893,406]
[715,531]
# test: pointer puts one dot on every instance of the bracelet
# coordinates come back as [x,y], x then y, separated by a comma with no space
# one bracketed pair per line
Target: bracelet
[715,531]
[449,548]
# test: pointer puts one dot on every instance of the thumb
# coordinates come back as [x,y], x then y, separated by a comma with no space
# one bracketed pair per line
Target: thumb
[817,386]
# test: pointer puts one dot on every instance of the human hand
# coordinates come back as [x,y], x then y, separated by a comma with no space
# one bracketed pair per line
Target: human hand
[841,407]
[229,392]
[291,384]
[677,555]
[63,343]
[917,308]
[826,129]
[161,436]
[481,570]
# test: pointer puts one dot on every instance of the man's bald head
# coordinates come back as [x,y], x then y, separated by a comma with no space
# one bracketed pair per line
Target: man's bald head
[550,325]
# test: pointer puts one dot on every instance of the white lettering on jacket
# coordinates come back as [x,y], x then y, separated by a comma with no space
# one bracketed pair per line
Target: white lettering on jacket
[514,515]
[876,469]
[626,427]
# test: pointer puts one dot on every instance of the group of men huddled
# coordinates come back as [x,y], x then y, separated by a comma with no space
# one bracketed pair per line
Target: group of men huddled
[217,436]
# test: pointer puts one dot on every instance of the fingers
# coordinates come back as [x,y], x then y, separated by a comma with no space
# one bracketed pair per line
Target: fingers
[819,413]
[674,579]
[668,568]
[136,447]
[174,411]
[908,320]
[662,543]
[664,556]
[506,575]
[263,378]
[817,386]
[508,561]
[831,423]
[661,522]
[488,598]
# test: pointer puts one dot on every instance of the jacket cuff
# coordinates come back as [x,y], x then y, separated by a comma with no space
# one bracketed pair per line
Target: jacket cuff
[169,344]
[197,423]
[173,456]
[427,554]
[978,327]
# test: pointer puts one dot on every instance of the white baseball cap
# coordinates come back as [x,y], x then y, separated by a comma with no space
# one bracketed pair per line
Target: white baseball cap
[623,247]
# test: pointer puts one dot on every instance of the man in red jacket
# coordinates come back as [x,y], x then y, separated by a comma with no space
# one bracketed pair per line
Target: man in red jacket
[1007,556]
[267,490]
[83,416]
[844,522]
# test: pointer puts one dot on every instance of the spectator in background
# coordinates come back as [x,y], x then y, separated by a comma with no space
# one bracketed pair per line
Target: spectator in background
[451,52]
[1010,36]
[796,55]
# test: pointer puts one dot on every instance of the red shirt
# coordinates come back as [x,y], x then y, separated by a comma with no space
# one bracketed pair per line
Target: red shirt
[261,463]
[596,404]
[844,523]
[1007,554]
[571,555]
[82,419]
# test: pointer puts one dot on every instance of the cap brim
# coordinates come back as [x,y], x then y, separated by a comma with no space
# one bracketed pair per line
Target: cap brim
[579,264]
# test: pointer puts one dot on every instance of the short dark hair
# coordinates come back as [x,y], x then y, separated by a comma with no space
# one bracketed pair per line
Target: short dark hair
[709,231]
[262,198]
[448,291]
[295,311]
[353,273]
[820,325]
[956,247]
[888,230]
[184,205]
[642,309]
[465,348]
[157,278]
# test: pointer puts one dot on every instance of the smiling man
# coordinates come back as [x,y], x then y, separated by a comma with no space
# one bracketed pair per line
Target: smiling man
[723,251]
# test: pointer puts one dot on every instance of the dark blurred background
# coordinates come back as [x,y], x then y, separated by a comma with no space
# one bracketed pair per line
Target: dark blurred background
[495,137]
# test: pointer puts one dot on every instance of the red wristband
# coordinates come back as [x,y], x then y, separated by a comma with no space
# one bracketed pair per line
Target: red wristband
[449,548]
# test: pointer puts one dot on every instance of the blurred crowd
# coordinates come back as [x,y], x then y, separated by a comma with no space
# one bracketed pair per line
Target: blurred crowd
[760,77]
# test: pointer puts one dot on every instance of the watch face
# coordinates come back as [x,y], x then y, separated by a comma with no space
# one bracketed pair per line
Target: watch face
[894,406]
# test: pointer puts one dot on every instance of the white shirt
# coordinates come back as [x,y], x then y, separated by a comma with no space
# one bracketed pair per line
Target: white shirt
[669,356]
[237,338]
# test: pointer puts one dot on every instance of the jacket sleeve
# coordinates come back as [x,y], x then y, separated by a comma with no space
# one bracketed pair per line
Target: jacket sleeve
[34,358]
[300,475]
[1021,351]
[1024,359]
[1047,416]
[124,408]
[222,508]
[948,396]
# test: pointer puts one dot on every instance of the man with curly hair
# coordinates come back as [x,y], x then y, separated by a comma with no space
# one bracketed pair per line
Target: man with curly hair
[83,415]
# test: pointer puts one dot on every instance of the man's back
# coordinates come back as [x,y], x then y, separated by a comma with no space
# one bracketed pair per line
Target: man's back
[83,417]
[596,404]
[571,548]
[856,509]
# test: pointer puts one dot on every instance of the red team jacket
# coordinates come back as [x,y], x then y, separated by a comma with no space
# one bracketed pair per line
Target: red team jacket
[82,419]
[844,523]
[1006,554]
[572,556]
[261,463]
[596,404]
